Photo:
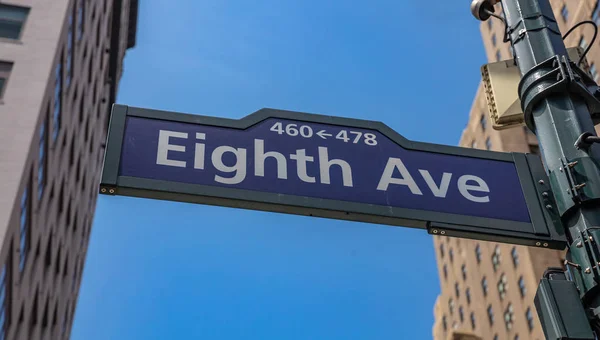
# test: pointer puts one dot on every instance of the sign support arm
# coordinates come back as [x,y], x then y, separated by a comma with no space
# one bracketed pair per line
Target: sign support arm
[558,114]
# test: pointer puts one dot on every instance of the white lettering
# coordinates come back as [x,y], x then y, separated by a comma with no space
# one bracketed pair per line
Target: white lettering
[406,179]
[481,186]
[440,191]
[325,165]
[301,158]
[200,150]
[239,168]
[164,147]
[260,156]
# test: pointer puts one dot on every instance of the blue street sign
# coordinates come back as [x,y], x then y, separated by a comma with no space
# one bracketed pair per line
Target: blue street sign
[330,167]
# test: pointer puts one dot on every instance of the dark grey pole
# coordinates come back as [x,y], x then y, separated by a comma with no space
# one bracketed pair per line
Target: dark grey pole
[555,100]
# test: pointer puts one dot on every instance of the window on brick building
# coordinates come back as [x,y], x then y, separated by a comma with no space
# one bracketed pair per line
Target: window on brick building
[582,43]
[502,287]
[515,256]
[522,287]
[529,317]
[468,295]
[564,12]
[484,286]
[496,258]
[508,317]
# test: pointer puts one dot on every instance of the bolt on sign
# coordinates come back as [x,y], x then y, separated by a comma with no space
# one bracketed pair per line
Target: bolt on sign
[316,165]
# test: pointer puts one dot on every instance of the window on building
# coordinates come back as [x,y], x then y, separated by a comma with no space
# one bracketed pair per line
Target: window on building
[80,18]
[25,226]
[473,320]
[69,61]
[478,253]
[474,144]
[56,120]
[90,70]
[596,13]
[496,337]
[508,317]
[451,306]
[484,286]
[490,314]
[12,20]
[444,323]
[468,295]
[498,55]
[483,121]
[494,40]
[442,250]
[463,270]
[461,314]
[502,286]
[457,289]
[496,258]
[65,321]
[445,272]
[582,43]
[529,316]
[522,287]
[490,23]
[594,72]
[42,152]
[488,143]
[564,12]
[451,254]
[98,33]
[74,279]
[5,299]
[5,69]
[516,337]
[515,256]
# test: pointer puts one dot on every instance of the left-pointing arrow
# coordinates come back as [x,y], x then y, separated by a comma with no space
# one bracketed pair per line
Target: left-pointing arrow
[323,135]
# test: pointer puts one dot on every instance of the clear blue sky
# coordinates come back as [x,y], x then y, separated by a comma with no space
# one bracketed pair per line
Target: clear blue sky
[164,270]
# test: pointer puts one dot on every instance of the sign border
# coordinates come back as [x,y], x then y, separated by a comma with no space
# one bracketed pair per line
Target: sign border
[541,232]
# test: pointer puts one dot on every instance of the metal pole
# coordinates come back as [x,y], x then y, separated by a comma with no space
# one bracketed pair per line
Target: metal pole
[556,103]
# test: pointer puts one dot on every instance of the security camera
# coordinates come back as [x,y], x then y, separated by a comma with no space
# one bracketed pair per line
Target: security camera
[483,9]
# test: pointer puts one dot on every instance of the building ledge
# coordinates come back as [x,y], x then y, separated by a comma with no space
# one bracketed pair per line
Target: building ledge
[132,23]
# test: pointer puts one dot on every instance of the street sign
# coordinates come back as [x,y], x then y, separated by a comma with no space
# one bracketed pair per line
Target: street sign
[331,167]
